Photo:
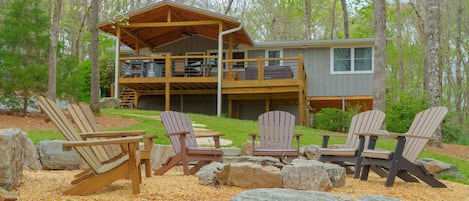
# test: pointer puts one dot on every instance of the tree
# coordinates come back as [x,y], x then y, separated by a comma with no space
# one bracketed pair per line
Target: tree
[432,78]
[54,37]
[94,52]
[379,92]
[344,10]
[24,41]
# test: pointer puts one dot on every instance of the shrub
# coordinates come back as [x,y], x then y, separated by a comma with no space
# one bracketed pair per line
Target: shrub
[332,119]
[399,115]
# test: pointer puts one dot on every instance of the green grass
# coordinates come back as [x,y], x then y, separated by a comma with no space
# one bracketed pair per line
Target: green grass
[237,131]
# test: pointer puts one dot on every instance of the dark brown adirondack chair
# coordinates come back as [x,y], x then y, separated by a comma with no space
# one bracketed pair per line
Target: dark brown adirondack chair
[276,136]
[104,169]
[181,133]
[87,123]
[402,161]
[364,122]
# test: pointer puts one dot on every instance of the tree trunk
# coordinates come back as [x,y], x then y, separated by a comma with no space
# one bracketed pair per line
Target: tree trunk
[94,51]
[432,78]
[228,7]
[344,10]
[307,17]
[333,19]
[379,92]
[400,62]
[459,64]
[54,37]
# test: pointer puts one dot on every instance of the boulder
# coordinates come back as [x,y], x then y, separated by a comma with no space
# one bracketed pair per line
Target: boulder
[255,172]
[312,175]
[12,156]
[112,103]
[281,194]
[207,174]
[53,157]
[440,168]
[311,152]
[246,149]
[159,155]
[32,161]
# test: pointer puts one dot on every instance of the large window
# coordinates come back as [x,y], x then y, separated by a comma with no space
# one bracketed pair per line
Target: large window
[352,60]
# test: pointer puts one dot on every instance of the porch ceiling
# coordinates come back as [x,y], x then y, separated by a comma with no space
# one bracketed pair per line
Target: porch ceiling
[168,21]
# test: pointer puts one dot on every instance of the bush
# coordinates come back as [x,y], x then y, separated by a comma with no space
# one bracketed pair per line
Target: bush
[399,115]
[332,119]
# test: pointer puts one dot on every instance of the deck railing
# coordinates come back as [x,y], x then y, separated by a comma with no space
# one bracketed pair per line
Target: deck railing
[156,66]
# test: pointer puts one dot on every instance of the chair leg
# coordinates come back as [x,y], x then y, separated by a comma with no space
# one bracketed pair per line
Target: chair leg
[392,173]
[167,166]
[365,172]
[147,167]
[197,166]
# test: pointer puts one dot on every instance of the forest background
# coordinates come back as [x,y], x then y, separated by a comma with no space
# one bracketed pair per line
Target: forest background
[27,27]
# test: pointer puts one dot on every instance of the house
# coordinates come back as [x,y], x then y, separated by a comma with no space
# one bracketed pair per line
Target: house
[193,60]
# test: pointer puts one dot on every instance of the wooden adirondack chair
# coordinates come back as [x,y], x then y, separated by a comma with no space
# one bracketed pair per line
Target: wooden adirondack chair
[276,136]
[402,162]
[179,129]
[364,122]
[87,123]
[104,169]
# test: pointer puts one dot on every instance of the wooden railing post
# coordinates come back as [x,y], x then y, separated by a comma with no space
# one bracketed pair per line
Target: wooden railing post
[260,69]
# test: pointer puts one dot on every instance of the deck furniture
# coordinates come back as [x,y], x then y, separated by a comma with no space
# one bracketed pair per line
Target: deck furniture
[181,133]
[179,68]
[364,122]
[103,169]
[276,136]
[402,161]
[87,123]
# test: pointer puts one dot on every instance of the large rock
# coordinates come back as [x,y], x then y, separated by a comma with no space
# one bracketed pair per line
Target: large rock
[312,175]
[207,174]
[53,157]
[311,152]
[12,155]
[440,168]
[32,161]
[281,194]
[159,155]
[255,172]
[246,149]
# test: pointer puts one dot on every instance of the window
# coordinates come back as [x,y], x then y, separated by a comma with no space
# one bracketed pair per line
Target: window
[273,54]
[352,60]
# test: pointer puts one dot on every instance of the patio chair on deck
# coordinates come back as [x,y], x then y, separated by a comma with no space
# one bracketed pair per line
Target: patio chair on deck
[104,169]
[402,162]
[87,123]
[276,136]
[179,68]
[364,122]
[181,133]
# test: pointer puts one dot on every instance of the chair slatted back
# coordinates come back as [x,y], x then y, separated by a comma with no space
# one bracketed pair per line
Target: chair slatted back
[178,122]
[276,130]
[425,124]
[365,122]
[86,123]
[93,156]
[179,68]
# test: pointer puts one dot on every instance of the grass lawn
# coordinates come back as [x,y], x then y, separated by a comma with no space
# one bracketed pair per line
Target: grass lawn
[237,131]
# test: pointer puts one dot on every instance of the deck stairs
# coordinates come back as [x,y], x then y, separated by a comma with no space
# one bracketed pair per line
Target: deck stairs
[127,97]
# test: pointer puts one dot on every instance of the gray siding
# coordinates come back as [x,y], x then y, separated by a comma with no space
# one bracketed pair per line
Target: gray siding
[322,83]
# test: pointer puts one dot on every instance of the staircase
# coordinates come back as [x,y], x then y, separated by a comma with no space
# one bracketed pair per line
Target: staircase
[127,98]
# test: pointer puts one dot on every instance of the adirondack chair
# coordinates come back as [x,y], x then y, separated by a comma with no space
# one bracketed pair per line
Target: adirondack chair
[402,162]
[364,122]
[179,129]
[103,171]
[276,136]
[87,123]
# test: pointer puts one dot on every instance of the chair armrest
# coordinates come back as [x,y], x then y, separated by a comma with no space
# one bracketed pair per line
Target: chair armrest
[124,140]
[177,133]
[372,134]
[112,134]
[211,135]
[411,136]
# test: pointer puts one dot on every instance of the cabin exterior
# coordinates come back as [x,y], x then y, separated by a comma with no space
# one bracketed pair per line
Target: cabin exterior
[188,59]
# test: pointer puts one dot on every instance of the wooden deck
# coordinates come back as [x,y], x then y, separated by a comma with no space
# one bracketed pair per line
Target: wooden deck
[236,85]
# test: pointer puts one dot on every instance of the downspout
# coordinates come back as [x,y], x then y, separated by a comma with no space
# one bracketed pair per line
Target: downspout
[220,69]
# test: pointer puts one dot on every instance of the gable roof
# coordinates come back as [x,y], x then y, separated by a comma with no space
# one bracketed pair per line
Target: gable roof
[169,21]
